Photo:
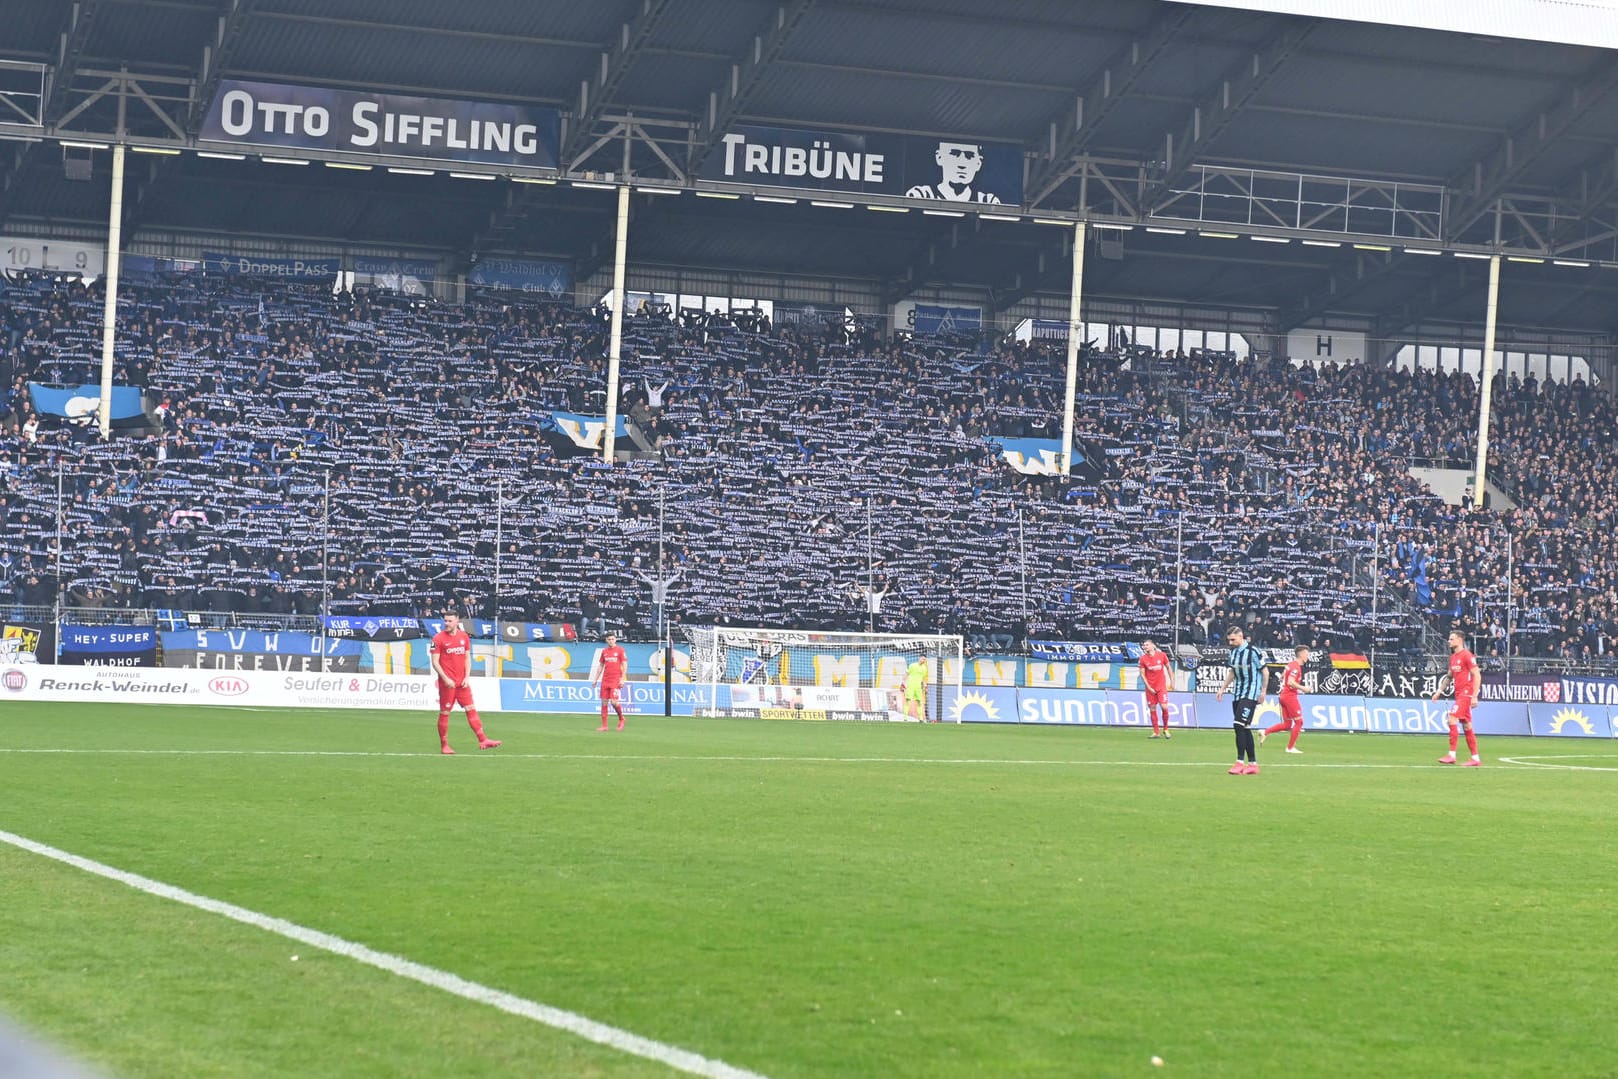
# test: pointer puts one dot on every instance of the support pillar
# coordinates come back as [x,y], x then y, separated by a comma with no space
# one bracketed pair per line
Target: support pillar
[616,348]
[1074,330]
[109,315]
[1486,387]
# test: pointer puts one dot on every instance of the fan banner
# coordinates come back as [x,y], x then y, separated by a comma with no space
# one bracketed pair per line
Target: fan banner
[310,269]
[27,643]
[412,276]
[373,627]
[545,277]
[559,661]
[510,632]
[1085,651]
[1031,456]
[583,431]
[82,403]
[109,646]
[251,650]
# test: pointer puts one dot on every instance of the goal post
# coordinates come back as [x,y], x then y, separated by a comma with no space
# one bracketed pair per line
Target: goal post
[810,674]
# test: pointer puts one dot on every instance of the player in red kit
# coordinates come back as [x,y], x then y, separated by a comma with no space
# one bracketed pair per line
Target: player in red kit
[607,672]
[451,652]
[1291,706]
[1463,672]
[1154,675]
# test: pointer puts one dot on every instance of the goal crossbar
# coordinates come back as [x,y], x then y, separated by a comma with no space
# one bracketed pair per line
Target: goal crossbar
[823,674]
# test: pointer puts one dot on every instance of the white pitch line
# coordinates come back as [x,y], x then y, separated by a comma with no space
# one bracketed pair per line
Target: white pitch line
[622,1040]
[1533,762]
[736,758]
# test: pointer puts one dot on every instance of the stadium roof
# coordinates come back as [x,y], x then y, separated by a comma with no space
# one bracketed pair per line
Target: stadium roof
[1144,112]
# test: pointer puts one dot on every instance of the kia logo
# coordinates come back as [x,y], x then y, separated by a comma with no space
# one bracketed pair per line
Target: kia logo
[228,687]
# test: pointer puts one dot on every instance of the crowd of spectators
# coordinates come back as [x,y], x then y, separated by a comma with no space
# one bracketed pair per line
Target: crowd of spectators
[373,452]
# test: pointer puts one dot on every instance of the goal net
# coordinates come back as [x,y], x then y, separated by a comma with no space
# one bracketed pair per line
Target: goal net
[798,674]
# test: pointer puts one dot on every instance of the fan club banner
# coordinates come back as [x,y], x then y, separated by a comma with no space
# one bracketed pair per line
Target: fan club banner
[1342,673]
[373,627]
[109,646]
[251,650]
[401,275]
[545,277]
[905,166]
[558,662]
[1085,651]
[509,632]
[809,315]
[311,269]
[351,121]
[927,318]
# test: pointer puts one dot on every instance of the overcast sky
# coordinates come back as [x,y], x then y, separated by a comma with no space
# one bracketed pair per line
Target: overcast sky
[1572,22]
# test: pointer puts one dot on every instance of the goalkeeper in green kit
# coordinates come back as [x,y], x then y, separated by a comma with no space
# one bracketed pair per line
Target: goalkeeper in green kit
[916,689]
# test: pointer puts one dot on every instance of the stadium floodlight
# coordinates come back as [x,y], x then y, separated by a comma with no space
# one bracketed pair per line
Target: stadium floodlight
[785,674]
[220,156]
[350,165]
[775,198]
[1112,226]
[658,190]
[1161,231]
[1271,239]
[1052,221]
[474,175]
[86,145]
[1422,251]
[402,171]
[1321,243]
[1218,235]
[998,217]
[593,186]
[717,195]
[1570,262]
[1525,258]
[1372,247]
[832,205]
[533,180]
[1470,255]
[888,209]
[283,160]
[163,151]
[945,213]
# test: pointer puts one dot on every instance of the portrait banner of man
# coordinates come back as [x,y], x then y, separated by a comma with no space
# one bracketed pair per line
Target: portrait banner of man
[960,163]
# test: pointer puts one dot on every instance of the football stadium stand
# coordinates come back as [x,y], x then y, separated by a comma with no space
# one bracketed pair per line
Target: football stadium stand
[793,468]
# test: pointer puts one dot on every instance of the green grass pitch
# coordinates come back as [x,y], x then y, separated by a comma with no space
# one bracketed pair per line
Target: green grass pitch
[806,899]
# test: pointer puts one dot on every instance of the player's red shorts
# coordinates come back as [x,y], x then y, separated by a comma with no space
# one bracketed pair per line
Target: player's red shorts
[1156,696]
[1291,708]
[450,696]
[610,693]
[1462,712]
